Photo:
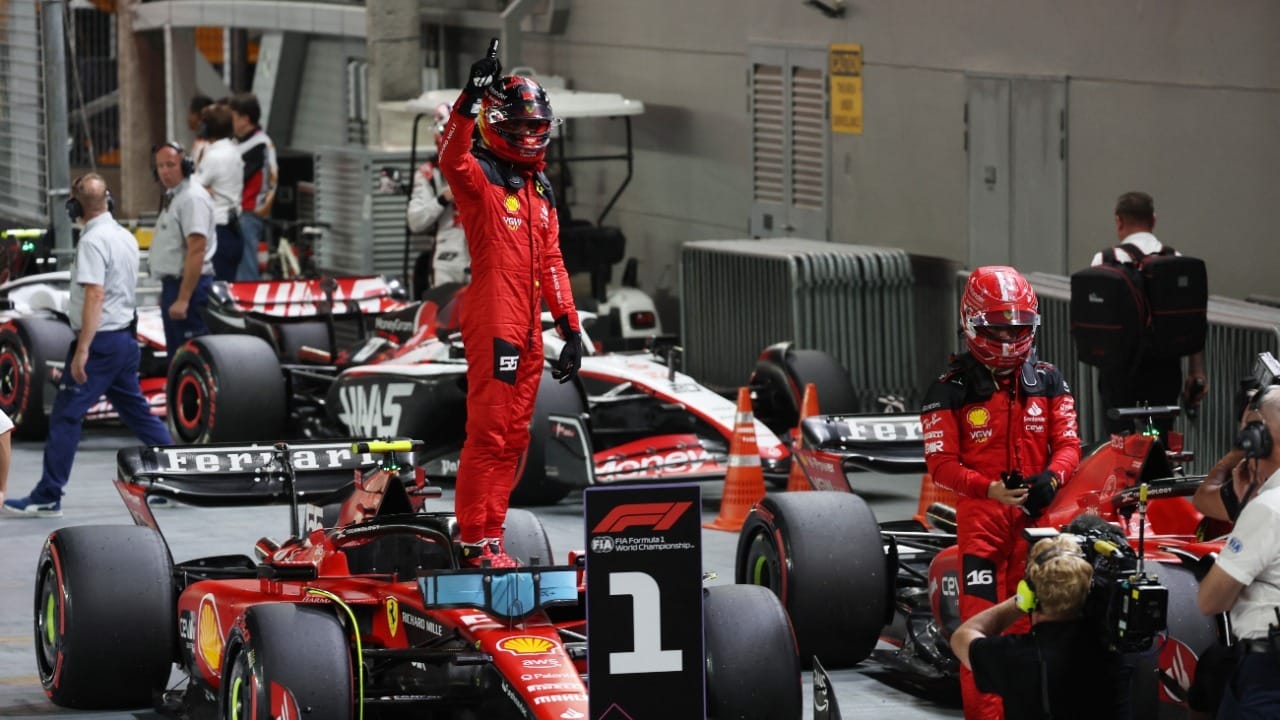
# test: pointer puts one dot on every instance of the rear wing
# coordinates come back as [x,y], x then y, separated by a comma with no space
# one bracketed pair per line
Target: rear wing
[874,442]
[244,474]
[309,298]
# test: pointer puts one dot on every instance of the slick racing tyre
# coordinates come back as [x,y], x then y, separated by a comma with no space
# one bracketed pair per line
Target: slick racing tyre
[105,623]
[779,380]
[821,553]
[753,672]
[225,388]
[283,660]
[537,485]
[1161,676]
[525,539]
[26,347]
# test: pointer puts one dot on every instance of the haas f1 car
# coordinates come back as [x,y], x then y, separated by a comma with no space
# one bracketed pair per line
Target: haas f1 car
[372,617]
[898,582]
[271,370]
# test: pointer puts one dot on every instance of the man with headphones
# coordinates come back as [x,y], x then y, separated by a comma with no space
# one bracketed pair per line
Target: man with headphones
[1245,580]
[183,246]
[1045,673]
[103,359]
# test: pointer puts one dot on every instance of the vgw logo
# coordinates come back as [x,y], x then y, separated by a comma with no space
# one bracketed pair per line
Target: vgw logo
[373,410]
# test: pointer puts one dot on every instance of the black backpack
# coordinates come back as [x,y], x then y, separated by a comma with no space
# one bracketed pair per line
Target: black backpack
[1154,307]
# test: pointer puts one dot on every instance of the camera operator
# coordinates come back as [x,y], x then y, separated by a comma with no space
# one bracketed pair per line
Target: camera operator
[1245,580]
[1044,673]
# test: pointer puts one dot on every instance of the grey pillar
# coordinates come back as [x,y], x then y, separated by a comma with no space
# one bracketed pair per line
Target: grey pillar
[55,103]
[392,31]
[140,66]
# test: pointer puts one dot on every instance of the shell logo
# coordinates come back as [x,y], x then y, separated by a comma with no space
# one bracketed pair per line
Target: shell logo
[512,204]
[526,645]
[393,615]
[209,635]
[978,417]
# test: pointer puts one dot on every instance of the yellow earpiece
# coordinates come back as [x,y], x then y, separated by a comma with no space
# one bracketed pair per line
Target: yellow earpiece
[1026,597]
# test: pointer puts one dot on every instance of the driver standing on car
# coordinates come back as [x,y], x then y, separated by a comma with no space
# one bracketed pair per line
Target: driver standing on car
[103,359]
[505,202]
[997,410]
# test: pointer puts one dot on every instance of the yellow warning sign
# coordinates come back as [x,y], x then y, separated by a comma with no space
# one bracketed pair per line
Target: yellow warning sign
[844,65]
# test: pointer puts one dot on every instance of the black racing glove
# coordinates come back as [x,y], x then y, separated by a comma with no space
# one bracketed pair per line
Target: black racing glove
[1041,488]
[566,368]
[484,72]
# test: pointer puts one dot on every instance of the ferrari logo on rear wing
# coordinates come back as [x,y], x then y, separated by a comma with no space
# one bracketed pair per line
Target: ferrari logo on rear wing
[205,459]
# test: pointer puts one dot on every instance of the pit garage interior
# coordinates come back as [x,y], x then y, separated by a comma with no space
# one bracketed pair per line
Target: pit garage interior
[821,172]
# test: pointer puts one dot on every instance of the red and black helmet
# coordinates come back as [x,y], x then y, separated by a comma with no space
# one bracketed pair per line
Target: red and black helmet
[999,314]
[515,120]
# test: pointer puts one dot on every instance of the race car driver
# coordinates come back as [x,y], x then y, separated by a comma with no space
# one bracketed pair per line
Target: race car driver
[997,412]
[507,206]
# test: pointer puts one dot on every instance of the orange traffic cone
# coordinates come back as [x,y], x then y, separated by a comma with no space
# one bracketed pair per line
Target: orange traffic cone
[744,483]
[798,481]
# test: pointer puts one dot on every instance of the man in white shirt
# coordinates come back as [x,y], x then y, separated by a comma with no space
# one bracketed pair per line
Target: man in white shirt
[103,359]
[221,171]
[1155,381]
[183,247]
[1245,580]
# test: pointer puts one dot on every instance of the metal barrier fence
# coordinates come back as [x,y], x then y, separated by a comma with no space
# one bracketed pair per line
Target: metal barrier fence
[1238,331]
[852,301]
[22,115]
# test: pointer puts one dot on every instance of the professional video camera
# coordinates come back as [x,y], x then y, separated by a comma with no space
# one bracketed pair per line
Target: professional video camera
[1128,606]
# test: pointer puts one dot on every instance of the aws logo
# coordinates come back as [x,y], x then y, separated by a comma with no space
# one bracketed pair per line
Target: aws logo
[978,417]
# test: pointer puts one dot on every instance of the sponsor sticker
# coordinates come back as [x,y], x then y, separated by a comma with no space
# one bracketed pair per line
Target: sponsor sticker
[977,417]
[209,635]
[526,645]
[1234,544]
[393,615]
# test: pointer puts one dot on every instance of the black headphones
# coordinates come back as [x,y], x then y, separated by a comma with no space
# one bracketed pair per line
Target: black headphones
[1255,438]
[75,210]
[188,165]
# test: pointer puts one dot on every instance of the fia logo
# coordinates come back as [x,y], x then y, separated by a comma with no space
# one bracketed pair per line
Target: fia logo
[602,544]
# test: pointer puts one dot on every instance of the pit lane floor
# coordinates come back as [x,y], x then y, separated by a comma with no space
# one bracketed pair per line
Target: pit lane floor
[191,532]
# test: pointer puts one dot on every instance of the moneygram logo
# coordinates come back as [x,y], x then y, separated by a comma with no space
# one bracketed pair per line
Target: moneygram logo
[655,516]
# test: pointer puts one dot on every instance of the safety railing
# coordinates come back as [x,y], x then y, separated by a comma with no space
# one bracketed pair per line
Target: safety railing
[852,301]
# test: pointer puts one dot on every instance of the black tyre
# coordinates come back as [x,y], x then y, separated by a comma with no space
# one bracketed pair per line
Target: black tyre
[292,337]
[26,347]
[753,671]
[300,648]
[536,485]
[822,554]
[779,380]
[1188,626]
[225,388]
[105,616]
[525,539]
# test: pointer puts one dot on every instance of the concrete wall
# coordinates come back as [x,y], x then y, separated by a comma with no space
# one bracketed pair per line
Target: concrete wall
[1180,98]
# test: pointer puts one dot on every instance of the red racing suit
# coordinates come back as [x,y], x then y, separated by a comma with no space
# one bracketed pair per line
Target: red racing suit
[514,236]
[977,426]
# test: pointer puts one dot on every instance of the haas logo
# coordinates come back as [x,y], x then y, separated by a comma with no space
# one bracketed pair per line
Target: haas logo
[373,410]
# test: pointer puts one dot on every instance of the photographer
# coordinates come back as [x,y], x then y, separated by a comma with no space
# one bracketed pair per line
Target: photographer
[1245,580]
[1041,674]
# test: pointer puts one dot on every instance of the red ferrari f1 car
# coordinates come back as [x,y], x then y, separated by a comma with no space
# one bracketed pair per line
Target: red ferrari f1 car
[849,582]
[369,618]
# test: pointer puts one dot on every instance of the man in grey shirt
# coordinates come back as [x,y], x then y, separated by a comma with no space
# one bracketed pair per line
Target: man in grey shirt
[182,248]
[103,359]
